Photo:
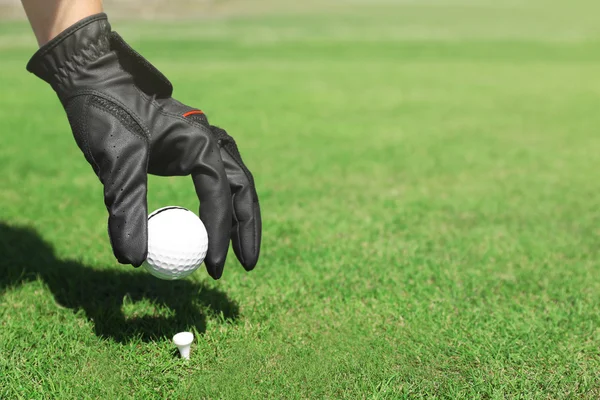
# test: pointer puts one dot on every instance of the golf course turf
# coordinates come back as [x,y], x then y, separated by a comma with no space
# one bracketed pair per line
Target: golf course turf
[428,177]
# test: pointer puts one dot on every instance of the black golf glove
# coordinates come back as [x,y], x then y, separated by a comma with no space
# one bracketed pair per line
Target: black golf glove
[127,125]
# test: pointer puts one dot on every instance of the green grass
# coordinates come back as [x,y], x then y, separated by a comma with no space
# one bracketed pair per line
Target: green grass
[428,180]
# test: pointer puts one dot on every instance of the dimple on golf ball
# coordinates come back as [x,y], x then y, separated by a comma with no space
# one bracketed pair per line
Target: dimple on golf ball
[177,243]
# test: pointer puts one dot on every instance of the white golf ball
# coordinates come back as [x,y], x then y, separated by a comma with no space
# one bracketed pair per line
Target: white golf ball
[177,243]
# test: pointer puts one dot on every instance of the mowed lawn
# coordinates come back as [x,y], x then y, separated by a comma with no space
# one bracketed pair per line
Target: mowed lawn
[428,176]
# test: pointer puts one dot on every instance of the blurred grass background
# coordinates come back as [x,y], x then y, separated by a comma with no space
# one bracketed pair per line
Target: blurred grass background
[427,177]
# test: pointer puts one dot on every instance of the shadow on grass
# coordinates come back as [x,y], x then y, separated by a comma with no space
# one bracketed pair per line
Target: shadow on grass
[103,294]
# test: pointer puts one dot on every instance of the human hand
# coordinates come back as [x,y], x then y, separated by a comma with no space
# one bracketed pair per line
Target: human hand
[127,125]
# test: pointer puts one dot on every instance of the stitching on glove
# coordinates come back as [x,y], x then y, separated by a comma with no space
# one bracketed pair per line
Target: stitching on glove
[160,109]
[145,132]
[43,67]
[119,113]
[87,55]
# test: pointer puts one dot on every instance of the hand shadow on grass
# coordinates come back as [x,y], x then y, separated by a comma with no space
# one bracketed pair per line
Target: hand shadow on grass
[101,293]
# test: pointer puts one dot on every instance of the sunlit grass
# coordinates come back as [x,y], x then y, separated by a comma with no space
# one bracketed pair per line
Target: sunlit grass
[427,180]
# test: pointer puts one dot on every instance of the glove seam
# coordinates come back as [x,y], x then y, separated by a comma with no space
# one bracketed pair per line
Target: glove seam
[237,230]
[160,109]
[117,117]
[86,136]
[91,92]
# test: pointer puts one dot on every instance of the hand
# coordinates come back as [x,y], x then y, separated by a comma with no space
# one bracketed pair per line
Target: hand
[127,125]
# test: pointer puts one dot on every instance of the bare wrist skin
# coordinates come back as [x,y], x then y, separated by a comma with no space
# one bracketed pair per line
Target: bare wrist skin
[48,18]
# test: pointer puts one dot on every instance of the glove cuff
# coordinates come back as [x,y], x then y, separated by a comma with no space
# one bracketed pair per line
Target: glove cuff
[73,48]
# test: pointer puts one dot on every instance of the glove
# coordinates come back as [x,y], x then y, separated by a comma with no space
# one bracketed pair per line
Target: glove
[127,124]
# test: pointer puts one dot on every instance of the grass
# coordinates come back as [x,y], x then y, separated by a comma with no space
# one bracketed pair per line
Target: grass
[430,204]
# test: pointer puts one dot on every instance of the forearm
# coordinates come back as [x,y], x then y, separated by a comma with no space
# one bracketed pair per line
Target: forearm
[50,17]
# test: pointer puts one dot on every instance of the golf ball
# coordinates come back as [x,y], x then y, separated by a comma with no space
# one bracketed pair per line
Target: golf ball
[177,243]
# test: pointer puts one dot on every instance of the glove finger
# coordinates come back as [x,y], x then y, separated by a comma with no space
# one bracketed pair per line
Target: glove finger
[186,147]
[118,151]
[212,188]
[126,202]
[246,230]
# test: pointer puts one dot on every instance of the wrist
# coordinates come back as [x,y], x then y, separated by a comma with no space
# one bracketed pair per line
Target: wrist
[49,18]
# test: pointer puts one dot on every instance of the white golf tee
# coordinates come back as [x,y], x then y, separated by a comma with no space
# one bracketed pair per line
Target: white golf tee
[183,341]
